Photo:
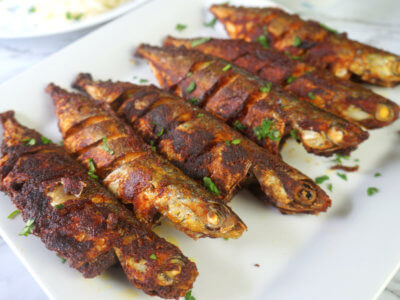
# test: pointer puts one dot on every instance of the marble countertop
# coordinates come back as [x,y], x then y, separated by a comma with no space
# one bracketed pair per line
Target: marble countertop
[377,23]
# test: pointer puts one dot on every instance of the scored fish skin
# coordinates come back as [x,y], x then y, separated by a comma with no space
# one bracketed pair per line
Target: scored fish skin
[235,95]
[344,98]
[80,220]
[320,45]
[204,146]
[137,175]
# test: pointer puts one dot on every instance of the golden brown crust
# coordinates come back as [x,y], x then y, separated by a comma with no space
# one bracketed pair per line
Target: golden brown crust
[343,98]
[88,226]
[320,45]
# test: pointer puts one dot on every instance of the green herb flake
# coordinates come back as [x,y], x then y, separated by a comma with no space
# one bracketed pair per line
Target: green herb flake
[266,88]
[226,68]
[106,147]
[180,27]
[29,141]
[61,143]
[377,174]
[28,228]
[189,296]
[293,56]
[160,133]
[189,74]
[297,41]
[63,260]
[46,141]
[226,239]
[92,169]
[294,134]
[338,158]
[211,23]
[228,143]
[32,10]
[291,79]
[206,64]
[200,41]
[194,100]
[191,87]
[321,179]
[356,160]
[211,186]
[59,206]
[330,187]
[71,16]
[311,95]
[153,256]
[342,175]
[372,190]
[263,41]
[153,148]
[239,126]
[13,214]
[236,142]
[142,80]
[328,28]
[267,129]
[200,115]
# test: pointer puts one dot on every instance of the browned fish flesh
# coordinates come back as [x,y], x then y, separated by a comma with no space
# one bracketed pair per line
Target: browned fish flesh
[312,42]
[343,98]
[135,174]
[206,148]
[78,219]
[266,113]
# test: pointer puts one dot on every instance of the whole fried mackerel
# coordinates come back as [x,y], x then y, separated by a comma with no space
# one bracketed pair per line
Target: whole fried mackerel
[78,219]
[341,97]
[126,165]
[206,148]
[264,113]
[312,42]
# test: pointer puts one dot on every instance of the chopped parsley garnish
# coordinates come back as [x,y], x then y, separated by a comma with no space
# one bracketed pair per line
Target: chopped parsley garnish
[28,227]
[105,146]
[377,174]
[266,88]
[59,206]
[45,140]
[372,190]
[228,142]
[153,256]
[13,214]
[200,41]
[267,129]
[29,141]
[189,296]
[206,64]
[189,74]
[160,133]
[338,158]
[211,23]
[142,80]
[194,100]
[32,9]
[63,260]
[239,126]
[291,79]
[263,41]
[180,27]
[236,142]
[191,87]
[226,239]
[226,68]
[328,28]
[153,148]
[71,16]
[92,169]
[210,185]
[292,56]
[297,41]
[330,187]
[356,160]
[321,179]
[311,95]
[342,175]
[294,134]
[200,115]
[61,143]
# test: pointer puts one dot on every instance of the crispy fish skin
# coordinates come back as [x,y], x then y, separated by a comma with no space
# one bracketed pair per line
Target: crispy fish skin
[129,168]
[267,114]
[343,98]
[204,146]
[76,217]
[320,46]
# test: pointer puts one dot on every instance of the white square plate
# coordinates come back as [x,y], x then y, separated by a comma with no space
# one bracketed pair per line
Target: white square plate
[347,253]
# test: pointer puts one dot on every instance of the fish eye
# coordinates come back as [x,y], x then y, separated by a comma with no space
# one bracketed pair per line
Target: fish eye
[305,194]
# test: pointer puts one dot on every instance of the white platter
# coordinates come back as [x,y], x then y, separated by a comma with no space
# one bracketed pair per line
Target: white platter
[348,253]
[26,30]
